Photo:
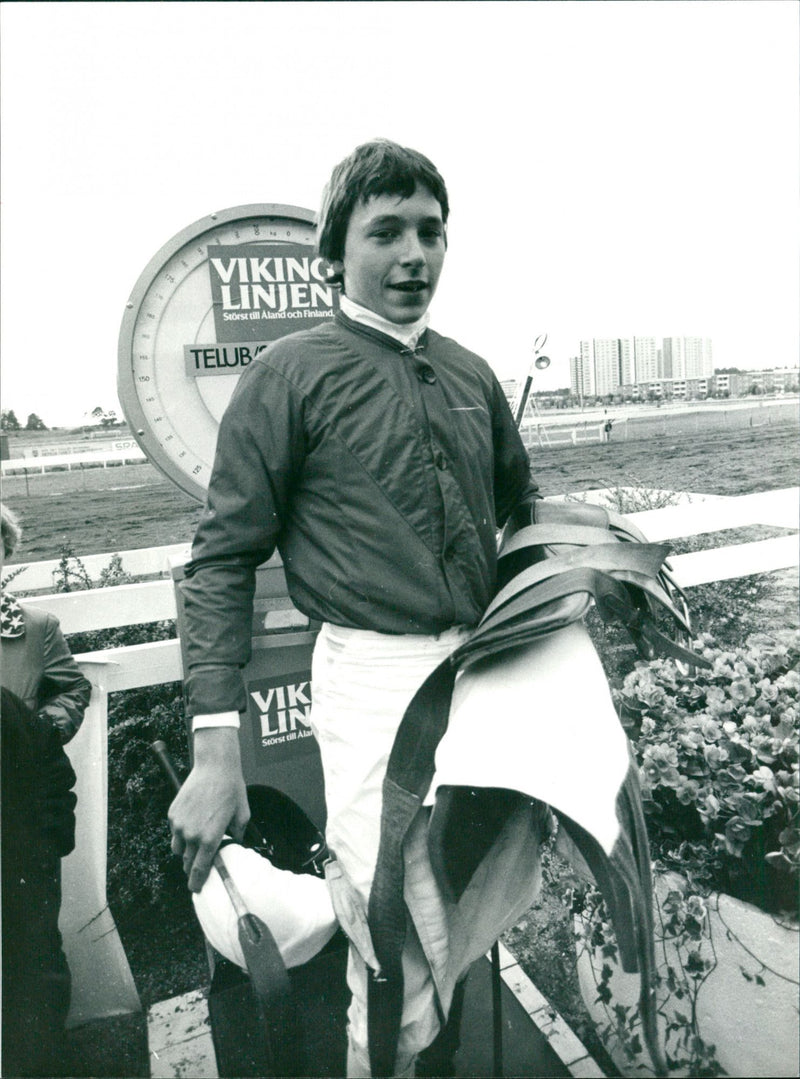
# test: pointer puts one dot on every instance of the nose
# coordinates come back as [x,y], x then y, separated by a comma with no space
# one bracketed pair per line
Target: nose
[411,253]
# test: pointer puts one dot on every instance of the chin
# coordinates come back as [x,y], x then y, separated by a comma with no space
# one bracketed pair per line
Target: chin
[404,313]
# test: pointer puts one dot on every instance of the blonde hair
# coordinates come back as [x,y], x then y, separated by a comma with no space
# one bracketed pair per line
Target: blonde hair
[11,530]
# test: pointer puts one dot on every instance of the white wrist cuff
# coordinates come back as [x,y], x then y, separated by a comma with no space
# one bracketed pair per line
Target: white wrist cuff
[216,719]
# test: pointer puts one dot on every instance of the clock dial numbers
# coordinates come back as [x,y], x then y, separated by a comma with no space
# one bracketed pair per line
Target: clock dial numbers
[181,352]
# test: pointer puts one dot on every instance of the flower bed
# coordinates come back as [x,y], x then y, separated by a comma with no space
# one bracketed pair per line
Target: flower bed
[718,752]
[719,765]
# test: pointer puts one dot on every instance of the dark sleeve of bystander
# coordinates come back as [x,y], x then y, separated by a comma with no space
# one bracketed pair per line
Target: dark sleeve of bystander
[64,693]
[38,802]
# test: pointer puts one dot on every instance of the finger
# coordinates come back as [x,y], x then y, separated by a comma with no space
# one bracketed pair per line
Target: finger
[189,855]
[239,822]
[200,869]
[177,845]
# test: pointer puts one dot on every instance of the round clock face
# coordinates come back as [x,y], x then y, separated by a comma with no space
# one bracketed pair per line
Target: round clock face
[211,299]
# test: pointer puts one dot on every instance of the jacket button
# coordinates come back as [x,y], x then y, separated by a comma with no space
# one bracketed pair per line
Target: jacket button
[440,461]
[425,373]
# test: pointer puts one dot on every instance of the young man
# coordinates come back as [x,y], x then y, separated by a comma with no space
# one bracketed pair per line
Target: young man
[379,458]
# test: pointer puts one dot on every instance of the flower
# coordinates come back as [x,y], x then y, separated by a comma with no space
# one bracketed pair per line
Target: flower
[714,755]
[737,833]
[690,739]
[710,729]
[768,691]
[651,695]
[741,690]
[789,682]
[686,790]
[710,807]
[660,764]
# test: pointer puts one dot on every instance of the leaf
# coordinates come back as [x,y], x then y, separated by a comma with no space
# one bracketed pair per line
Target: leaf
[694,963]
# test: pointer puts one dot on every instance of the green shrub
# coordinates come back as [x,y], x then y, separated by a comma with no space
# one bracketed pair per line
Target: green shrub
[72,576]
[718,753]
[142,871]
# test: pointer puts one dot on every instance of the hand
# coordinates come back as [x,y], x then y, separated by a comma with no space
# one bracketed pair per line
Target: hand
[211,803]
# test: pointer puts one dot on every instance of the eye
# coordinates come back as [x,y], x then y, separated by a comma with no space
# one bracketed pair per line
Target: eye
[384,234]
[431,234]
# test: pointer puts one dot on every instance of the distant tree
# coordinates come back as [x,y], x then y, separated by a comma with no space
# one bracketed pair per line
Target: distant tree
[35,423]
[9,421]
[106,418]
[728,371]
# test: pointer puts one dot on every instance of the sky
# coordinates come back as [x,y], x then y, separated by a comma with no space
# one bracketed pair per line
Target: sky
[614,168]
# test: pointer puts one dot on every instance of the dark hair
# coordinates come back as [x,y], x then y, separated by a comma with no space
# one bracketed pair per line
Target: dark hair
[379,167]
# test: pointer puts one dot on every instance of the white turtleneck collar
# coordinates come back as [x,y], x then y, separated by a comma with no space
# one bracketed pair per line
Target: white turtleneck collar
[407,333]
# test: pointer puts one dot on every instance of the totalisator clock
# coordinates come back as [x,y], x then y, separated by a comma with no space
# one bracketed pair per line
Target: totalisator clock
[207,303]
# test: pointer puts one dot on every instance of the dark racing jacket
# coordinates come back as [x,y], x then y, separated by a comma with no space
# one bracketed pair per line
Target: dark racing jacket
[380,473]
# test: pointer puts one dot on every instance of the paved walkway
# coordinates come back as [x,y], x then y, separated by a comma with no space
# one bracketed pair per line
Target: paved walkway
[536,1040]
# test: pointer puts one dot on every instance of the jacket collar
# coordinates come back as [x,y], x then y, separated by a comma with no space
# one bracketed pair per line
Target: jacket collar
[376,335]
[408,332]
[12,620]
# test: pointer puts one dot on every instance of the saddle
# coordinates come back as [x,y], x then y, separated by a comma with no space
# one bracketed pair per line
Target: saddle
[555,560]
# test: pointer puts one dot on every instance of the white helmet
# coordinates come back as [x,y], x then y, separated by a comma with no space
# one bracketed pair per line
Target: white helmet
[294,905]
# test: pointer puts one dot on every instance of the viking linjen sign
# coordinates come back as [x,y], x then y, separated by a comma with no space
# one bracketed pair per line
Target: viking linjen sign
[259,292]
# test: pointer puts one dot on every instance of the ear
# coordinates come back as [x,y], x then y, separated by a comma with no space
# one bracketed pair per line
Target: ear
[337,267]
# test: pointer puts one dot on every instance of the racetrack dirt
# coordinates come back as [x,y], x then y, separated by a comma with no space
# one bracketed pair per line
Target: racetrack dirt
[122,508]
[720,462]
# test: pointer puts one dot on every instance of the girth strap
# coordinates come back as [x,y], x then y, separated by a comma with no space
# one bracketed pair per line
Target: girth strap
[408,777]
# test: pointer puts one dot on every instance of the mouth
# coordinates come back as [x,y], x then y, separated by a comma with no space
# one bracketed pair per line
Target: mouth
[410,287]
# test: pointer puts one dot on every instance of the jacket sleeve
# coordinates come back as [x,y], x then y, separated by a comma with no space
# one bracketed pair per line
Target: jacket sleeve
[260,450]
[513,483]
[63,693]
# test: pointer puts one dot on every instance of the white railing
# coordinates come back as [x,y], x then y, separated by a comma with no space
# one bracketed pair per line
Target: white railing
[102,982]
[95,458]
